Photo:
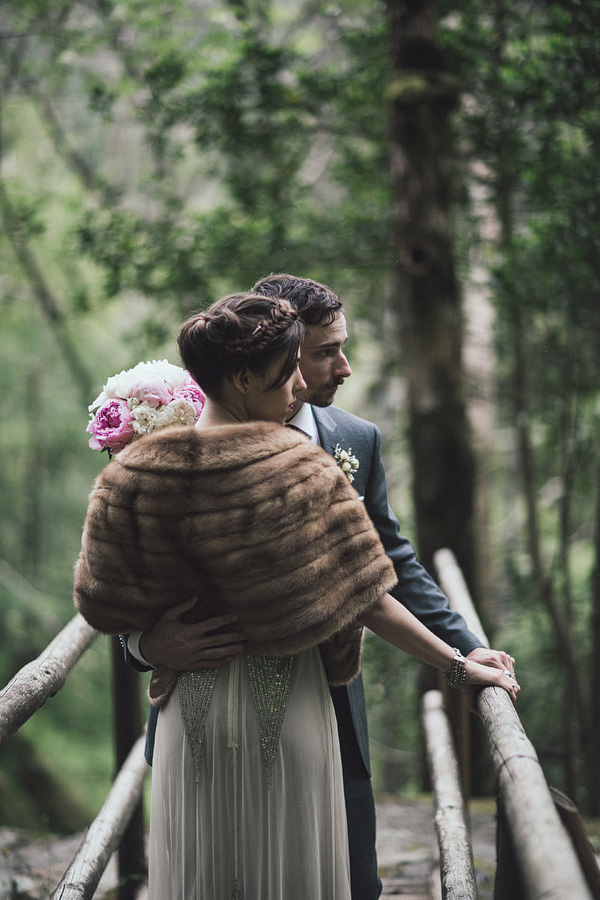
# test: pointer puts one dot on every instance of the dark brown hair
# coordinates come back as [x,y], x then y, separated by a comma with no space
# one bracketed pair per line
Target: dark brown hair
[242,331]
[316,303]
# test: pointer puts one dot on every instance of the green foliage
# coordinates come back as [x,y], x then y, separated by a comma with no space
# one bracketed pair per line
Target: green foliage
[531,125]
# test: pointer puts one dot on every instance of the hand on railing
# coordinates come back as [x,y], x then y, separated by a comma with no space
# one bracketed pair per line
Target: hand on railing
[478,676]
[496,659]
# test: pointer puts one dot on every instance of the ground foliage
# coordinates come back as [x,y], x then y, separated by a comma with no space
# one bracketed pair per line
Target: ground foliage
[156,155]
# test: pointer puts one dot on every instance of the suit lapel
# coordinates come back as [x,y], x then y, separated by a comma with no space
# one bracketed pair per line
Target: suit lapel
[327,429]
[331,433]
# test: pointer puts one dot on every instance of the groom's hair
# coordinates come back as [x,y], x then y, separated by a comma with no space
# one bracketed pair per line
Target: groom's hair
[316,303]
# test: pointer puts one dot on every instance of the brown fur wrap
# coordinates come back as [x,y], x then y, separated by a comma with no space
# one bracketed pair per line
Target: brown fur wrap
[253,518]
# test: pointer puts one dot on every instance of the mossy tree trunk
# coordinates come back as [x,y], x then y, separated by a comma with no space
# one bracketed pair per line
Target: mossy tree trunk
[426,302]
[425,297]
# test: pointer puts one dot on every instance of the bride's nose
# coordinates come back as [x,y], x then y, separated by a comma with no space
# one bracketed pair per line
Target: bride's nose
[299,382]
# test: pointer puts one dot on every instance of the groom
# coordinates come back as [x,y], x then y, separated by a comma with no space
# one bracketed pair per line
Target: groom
[181,646]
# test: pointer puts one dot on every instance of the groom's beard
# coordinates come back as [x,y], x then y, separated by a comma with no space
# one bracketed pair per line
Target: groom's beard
[324,395]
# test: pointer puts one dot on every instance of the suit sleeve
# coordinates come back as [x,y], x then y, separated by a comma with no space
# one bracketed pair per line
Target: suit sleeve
[416,589]
[130,658]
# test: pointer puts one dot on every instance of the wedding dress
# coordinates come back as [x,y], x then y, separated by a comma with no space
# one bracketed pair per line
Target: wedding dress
[247,792]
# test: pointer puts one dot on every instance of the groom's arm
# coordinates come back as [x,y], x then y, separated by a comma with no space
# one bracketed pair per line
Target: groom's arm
[416,589]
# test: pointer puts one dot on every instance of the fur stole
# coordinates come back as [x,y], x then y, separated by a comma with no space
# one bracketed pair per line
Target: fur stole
[254,520]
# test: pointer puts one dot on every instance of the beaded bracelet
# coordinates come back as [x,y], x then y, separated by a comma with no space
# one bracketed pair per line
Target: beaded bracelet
[457,675]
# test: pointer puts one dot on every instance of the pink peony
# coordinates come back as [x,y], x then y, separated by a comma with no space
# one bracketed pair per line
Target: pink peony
[153,390]
[111,427]
[189,390]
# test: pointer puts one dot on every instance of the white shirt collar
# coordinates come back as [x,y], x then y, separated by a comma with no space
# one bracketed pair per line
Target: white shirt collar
[305,421]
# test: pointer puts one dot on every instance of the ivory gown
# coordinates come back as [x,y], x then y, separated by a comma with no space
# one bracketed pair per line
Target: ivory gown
[257,813]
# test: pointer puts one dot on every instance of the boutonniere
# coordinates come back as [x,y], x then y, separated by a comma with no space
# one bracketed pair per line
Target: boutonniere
[347,463]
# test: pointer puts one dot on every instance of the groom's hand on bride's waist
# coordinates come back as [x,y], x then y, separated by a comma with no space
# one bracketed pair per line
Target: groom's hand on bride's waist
[188,646]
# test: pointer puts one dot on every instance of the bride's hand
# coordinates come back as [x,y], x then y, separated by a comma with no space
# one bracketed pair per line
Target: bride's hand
[477,675]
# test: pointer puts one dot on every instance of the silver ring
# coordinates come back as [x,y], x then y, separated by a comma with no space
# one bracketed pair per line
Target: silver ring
[509,674]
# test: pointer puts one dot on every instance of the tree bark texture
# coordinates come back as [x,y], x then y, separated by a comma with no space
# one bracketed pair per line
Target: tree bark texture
[425,298]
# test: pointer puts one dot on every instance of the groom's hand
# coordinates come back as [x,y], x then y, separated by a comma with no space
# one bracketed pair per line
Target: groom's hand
[186,647]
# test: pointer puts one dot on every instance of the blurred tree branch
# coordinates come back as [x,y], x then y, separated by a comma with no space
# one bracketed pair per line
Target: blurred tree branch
[46,300]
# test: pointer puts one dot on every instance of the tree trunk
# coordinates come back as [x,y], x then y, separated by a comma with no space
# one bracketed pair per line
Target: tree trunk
[426,298]
[592,742]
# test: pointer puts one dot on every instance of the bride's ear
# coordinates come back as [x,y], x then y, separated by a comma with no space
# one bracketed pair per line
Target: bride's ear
[241,381]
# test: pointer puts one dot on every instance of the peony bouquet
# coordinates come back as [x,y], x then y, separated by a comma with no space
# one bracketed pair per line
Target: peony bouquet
[138,401]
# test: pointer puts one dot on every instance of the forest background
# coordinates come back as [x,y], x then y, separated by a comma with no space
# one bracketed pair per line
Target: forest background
[438,165]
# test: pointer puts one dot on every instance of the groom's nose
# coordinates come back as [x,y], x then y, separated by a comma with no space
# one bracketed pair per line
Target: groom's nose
[342,368]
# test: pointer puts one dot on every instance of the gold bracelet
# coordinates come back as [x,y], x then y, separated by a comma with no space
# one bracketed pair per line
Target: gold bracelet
[455,678]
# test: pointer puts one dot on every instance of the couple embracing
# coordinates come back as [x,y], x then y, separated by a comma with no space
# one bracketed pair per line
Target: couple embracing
[261,783]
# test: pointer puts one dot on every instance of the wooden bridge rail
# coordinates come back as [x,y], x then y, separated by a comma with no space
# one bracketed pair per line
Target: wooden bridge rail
[119,824]
[43,677]
[548,864]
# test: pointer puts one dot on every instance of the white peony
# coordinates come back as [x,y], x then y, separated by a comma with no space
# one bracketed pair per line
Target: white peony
[119,386]
[177,412]
[143,417]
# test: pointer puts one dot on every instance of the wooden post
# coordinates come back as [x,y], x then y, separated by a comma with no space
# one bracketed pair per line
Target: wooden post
[104,834]
[456,855]
[459,716]
[453,584]
[127,728]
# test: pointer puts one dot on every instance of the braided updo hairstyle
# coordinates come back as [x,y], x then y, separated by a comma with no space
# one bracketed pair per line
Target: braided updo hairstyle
[240,332]
[316,303]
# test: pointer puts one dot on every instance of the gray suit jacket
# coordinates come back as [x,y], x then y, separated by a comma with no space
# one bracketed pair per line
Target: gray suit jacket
[415,588]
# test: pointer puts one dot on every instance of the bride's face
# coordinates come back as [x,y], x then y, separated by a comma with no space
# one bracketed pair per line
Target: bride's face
[265,403]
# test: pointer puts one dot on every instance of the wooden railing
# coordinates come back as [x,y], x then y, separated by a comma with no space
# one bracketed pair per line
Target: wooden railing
[43,677]
[111,830]
[548,864]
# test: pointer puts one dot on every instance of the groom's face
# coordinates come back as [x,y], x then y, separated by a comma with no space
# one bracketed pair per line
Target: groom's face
[323,364]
